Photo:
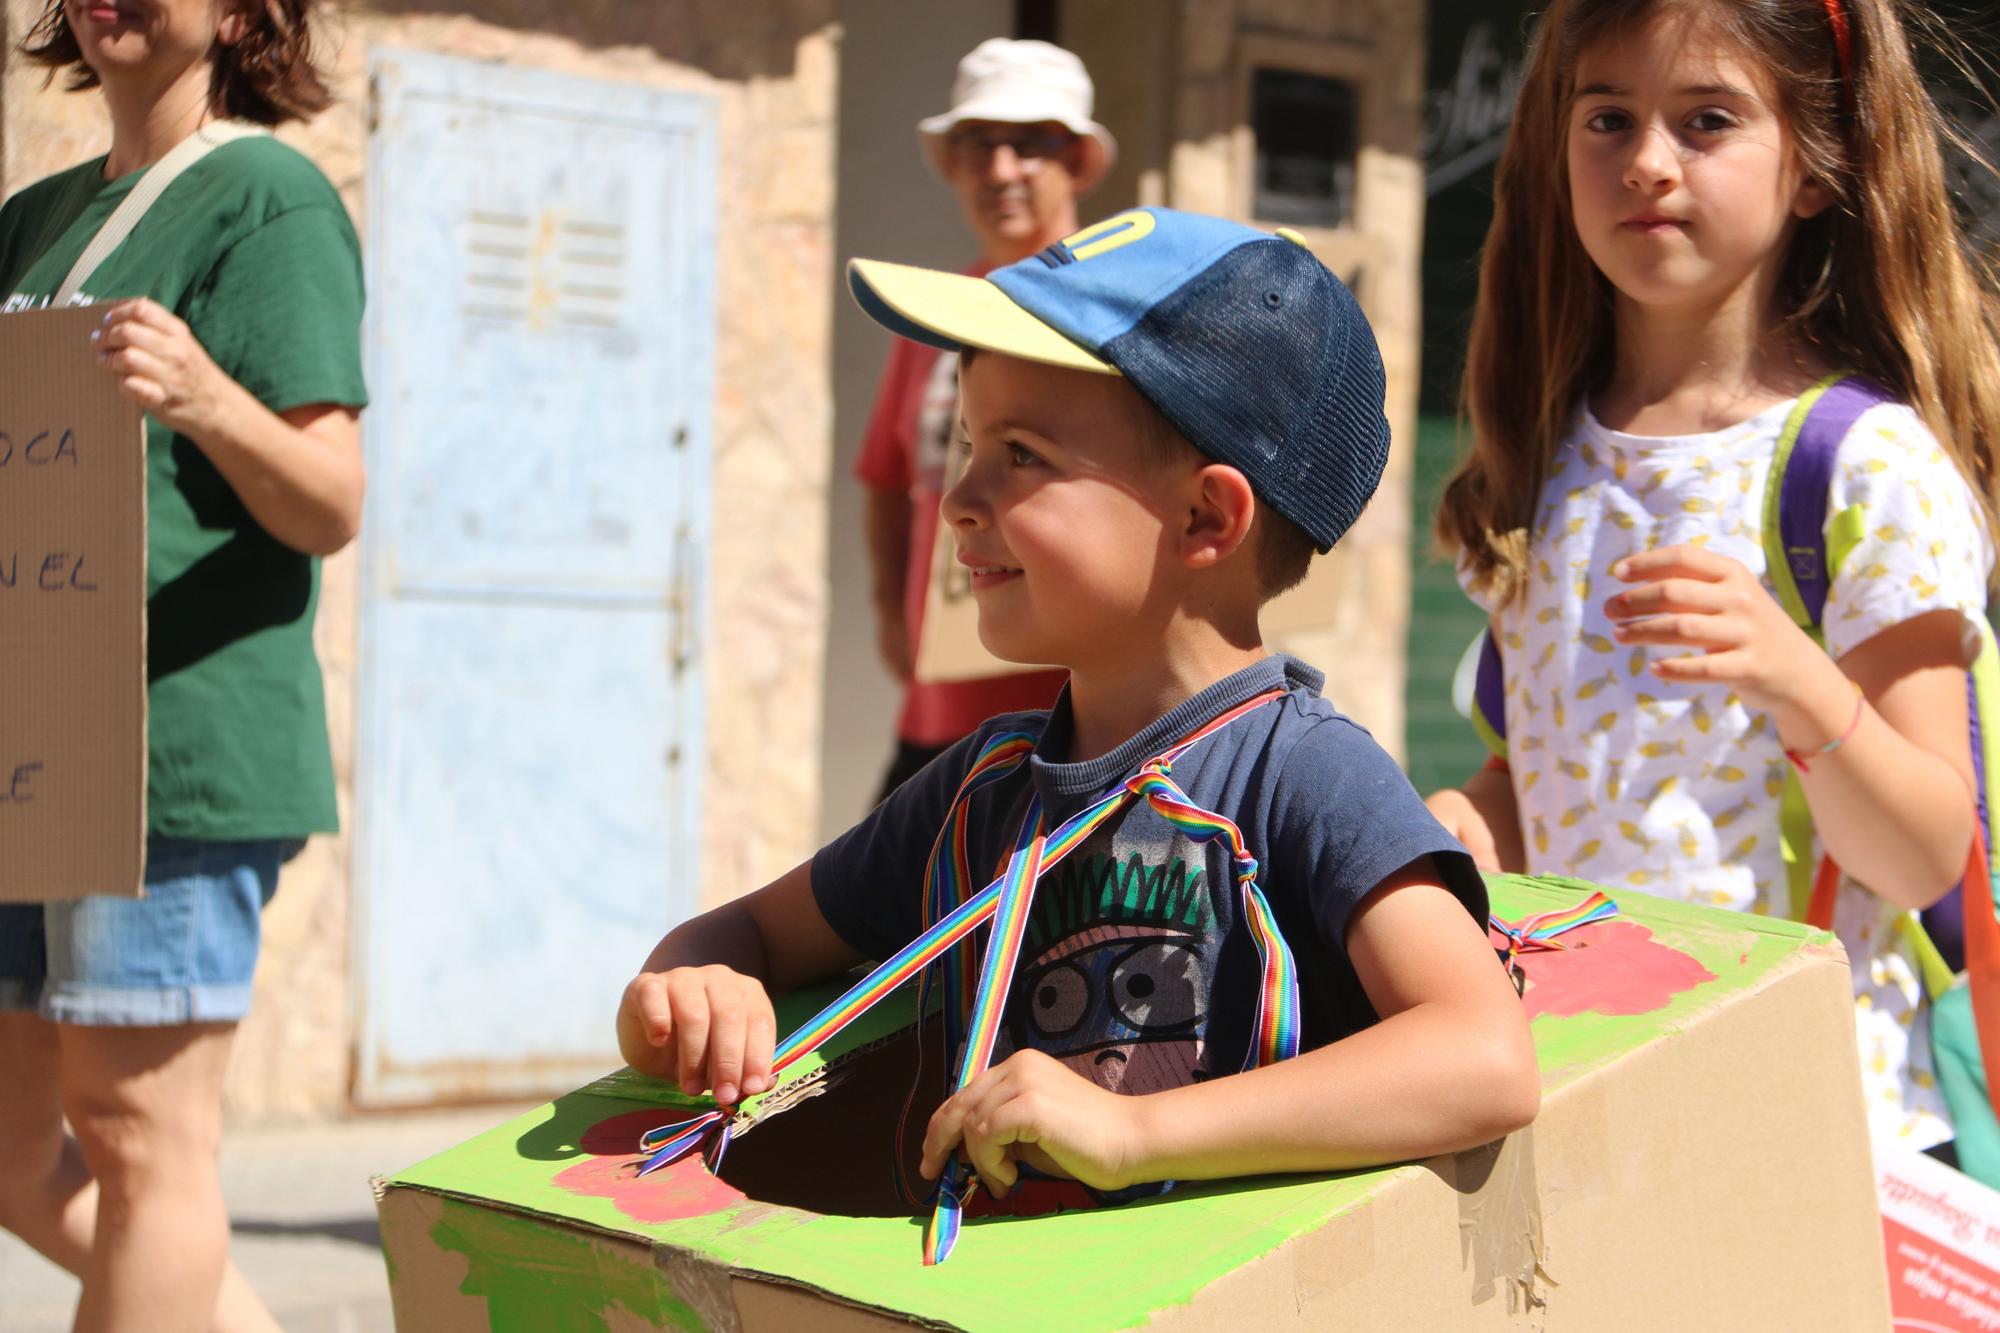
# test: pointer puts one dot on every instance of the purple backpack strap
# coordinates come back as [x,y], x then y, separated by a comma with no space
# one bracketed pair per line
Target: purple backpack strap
[1806,483]
[1489,690]
[1806,479]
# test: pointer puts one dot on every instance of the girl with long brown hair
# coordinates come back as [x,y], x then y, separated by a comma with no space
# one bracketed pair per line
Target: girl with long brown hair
[1706,210]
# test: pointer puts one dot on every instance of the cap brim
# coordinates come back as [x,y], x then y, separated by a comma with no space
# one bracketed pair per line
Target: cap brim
[953,311]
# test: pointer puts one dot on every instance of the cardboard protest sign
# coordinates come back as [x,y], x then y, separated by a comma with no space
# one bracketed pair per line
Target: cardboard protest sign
[72,616]
[1625,1205]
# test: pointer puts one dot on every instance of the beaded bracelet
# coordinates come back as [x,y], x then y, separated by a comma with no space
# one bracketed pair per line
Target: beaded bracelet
[1800,761]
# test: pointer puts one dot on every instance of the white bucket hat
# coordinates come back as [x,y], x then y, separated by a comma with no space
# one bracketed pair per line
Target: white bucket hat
[1023,83]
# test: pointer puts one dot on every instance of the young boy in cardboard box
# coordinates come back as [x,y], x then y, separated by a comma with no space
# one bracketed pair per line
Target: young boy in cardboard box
[1165,415]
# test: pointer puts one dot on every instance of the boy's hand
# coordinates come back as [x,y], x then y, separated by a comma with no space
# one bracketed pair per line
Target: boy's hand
[1032,1108]
[1686,597]
[702,1027]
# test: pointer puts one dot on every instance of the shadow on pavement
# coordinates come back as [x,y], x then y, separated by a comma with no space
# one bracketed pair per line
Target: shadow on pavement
[354,1230]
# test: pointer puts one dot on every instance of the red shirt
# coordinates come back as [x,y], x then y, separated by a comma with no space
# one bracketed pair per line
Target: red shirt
[906,448]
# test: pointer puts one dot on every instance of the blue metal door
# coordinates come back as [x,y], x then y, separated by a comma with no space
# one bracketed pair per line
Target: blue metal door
[530,748]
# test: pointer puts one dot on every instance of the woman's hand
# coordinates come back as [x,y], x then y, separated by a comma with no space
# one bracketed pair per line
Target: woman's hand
[1033,1108]
[1686,597]
[298,472]
[162,367]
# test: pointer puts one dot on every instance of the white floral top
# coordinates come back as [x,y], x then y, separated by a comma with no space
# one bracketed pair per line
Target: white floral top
[1637,784]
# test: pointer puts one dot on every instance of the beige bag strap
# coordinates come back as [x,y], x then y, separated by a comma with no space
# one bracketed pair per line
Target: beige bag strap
[149,188]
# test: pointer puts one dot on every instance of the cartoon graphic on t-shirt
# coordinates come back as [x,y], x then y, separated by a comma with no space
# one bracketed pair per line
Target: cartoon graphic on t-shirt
[1116,985]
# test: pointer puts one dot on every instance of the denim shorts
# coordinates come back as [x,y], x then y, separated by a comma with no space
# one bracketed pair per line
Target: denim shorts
[184,953]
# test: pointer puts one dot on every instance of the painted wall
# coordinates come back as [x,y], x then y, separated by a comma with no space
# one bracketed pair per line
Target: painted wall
[773,66]
[1189,146]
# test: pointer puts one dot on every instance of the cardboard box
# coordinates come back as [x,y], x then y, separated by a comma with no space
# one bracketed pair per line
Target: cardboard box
[72,616]
[1700,1161]
[1942,1230]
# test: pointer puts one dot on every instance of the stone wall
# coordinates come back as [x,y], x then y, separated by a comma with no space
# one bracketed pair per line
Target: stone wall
[772,66]
[1187,144]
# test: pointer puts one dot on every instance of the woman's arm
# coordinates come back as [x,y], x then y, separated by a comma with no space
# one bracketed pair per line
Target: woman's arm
[1449,1066]
[298,472]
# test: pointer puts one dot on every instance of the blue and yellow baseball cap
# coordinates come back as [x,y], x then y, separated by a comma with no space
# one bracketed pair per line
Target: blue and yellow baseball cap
[1241,338]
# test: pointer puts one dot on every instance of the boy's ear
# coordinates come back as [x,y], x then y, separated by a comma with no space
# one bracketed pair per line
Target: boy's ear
[1221,509]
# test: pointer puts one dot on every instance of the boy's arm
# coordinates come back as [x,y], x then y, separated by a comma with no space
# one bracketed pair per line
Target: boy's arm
[1449,1066]
[699,1012]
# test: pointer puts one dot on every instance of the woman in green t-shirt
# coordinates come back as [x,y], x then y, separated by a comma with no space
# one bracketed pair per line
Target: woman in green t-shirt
[232,316]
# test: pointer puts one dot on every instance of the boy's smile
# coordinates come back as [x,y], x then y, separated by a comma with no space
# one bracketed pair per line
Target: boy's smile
[1061,514]
[986,574]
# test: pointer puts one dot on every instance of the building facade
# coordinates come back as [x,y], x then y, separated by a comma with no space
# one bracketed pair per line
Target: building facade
[601,658]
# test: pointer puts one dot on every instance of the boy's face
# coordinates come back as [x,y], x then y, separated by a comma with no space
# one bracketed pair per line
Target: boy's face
[1066,514]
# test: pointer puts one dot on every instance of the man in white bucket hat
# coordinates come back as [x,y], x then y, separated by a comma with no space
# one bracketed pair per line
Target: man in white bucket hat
[1018,148]
[1035,100]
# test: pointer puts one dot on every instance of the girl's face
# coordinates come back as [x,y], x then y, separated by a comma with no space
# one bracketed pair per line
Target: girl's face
[127,39]
[1684,183]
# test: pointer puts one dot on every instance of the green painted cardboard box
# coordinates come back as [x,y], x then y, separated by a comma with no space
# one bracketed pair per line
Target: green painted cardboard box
[1700,1161]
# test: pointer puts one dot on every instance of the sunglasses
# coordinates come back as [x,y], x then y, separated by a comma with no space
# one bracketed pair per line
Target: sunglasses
[976,144]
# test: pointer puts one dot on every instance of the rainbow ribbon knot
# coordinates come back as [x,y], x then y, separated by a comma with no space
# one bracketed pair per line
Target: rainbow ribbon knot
[1539,933]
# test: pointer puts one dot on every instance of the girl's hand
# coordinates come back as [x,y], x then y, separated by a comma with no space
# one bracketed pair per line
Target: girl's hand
[1463,820]
[1032,1108]
[702,1027]
[1683,596]
[160,366]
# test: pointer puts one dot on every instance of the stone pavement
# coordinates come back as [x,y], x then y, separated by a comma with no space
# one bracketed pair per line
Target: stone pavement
[303,1217]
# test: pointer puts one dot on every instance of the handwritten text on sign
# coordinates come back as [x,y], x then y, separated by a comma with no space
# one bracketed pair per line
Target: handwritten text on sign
[72,616]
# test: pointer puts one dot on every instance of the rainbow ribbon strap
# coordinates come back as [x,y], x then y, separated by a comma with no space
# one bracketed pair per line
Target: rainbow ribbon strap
[1006,901]
[948,879]
[1003,952]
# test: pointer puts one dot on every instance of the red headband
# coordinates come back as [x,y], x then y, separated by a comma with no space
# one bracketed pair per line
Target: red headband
[1843,45]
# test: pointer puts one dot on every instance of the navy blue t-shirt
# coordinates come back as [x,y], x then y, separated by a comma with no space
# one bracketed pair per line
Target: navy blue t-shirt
[1137,970]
